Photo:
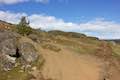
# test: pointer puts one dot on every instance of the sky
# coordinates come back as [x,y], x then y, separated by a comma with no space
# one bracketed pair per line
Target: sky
[98,18]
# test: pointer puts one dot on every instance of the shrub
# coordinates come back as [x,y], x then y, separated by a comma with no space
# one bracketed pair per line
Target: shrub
[23,27]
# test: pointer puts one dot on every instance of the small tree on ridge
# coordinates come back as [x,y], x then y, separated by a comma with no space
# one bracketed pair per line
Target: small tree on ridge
[23,27]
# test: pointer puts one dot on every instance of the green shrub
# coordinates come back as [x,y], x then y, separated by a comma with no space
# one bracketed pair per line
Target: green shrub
[23,29]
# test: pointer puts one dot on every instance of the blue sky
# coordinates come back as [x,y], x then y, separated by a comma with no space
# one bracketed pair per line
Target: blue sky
[95,16]
[70,10]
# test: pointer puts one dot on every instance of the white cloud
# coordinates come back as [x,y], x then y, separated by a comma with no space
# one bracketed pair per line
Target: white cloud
[8,2]
[42,1]
[99,27]
[20,1]
[11,17]
[12,1]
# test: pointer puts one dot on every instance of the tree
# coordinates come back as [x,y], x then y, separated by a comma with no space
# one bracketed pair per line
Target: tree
[24,21]
[23,27]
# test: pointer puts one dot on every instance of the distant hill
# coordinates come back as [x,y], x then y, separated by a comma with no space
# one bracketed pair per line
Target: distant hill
[114,40]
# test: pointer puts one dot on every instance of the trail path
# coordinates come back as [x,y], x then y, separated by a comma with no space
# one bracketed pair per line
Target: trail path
[67,65]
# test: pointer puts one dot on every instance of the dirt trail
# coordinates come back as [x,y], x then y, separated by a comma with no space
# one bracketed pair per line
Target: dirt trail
[67,65]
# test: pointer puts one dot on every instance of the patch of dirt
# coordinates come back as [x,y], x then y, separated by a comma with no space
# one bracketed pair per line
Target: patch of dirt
[112,71]
[67,65]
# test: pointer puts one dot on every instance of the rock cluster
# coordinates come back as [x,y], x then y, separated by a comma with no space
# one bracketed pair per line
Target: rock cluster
[11,50]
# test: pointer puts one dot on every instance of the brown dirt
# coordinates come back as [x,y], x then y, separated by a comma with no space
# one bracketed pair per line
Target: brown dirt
[112,70]
[67,65]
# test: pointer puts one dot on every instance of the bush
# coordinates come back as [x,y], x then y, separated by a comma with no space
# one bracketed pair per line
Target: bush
[23,27]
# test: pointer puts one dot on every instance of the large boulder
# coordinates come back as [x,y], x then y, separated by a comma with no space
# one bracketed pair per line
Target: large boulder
[5,34]
[8,47]
[7,51]
[28,52]
[7,62]
[11,50]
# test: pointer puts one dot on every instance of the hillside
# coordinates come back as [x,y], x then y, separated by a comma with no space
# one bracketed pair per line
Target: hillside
[115,40]
[56,55]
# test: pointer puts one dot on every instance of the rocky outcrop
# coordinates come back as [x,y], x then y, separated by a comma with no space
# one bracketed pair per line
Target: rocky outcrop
[8,47]
[28,52]
[5,34]
[6,62]
[11,50]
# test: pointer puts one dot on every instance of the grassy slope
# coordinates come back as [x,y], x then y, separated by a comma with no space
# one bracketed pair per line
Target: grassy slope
[56,41]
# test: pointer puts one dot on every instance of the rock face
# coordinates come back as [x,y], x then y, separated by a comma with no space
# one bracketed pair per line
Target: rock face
[8,47]
[11,49]
[5,34]
[7,62]
[28,52]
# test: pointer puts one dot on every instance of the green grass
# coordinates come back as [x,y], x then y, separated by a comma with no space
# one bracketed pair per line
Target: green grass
[116,50]
[14,74]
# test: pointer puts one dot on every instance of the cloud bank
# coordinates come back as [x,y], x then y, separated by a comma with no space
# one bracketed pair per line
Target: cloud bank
[42,1]
[98,27]
[8,2]
[12,1]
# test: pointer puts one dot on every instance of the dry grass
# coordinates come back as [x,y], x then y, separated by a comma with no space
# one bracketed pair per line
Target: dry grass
[51,47]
